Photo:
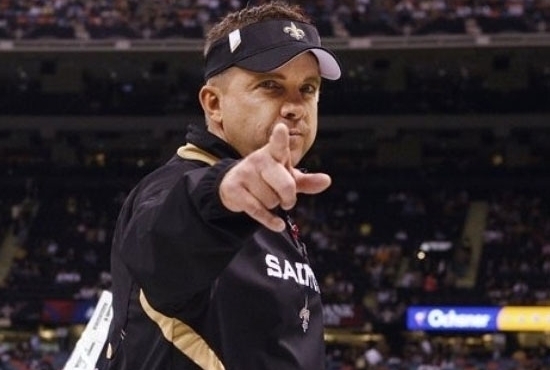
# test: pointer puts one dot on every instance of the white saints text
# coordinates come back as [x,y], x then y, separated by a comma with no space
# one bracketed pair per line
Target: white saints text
[301,273]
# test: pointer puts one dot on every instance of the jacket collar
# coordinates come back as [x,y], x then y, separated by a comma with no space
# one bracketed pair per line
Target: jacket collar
[198,135]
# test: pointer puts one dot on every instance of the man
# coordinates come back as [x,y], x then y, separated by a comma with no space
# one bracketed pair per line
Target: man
[208,269]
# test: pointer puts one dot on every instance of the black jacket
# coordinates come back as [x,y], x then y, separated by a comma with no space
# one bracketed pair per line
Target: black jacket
[196,286]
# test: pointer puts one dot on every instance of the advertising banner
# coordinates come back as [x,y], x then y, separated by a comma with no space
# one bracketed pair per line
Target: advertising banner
[478,318]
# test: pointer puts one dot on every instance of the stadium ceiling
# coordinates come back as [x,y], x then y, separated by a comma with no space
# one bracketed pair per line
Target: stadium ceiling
[441,74]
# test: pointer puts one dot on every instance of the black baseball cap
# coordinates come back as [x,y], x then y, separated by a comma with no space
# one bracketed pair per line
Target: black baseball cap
[267,45]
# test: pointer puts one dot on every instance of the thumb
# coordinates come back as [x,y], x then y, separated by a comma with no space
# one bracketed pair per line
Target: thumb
[279,144]
[311,183]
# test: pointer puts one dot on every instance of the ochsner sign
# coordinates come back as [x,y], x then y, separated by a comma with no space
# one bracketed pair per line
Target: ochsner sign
[452,318]
[508,318]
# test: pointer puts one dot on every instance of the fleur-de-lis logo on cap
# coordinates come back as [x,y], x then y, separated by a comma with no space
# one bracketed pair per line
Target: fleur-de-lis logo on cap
[294,31]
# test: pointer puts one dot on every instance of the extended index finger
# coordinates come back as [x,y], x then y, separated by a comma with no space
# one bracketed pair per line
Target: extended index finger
[279,144]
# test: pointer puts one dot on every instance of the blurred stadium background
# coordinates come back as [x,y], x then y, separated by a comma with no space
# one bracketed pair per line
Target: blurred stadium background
[437,138]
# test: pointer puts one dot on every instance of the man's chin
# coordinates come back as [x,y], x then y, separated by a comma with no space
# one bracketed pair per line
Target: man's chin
[296,156]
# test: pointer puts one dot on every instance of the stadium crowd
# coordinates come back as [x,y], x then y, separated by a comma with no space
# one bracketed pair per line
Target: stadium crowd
[364,239]
[132,19]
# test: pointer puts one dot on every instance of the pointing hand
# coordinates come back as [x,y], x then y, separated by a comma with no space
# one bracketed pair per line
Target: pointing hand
[266,179]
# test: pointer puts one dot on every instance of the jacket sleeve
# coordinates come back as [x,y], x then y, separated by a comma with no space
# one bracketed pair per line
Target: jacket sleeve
[179,237]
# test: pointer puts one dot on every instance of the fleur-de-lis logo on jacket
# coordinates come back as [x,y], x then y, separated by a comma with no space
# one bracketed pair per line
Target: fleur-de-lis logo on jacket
[304,315]
[294,31]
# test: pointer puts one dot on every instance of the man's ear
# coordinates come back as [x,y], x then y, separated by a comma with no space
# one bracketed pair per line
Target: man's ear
[210,99]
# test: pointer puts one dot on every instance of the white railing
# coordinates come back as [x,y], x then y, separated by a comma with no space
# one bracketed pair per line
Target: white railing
[374,42]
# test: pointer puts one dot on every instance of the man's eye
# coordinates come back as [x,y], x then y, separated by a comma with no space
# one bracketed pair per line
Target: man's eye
[269,84]
[309,89]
